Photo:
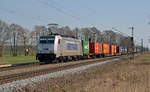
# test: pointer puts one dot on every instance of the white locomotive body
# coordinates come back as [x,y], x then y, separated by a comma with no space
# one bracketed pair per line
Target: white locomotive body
[56,47]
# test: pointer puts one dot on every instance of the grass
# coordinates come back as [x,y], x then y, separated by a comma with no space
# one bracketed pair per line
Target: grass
[17,59]
[143,59]
[124,76]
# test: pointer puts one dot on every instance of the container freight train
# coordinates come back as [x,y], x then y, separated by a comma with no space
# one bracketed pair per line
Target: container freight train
[59,48]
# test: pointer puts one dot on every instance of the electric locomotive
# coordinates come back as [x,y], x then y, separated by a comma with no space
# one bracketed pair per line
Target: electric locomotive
[57,47]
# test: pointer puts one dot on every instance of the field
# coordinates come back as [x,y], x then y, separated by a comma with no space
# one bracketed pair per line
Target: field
[17,59]
[124,76]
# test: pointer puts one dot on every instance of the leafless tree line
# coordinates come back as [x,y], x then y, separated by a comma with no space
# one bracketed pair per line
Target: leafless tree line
[14,36]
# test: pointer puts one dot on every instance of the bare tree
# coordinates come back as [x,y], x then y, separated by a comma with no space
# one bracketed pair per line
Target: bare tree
[4,36]
[86,33]
[24,37]
[126,41]
[17,32]
[98,35]
[65,31]
[109,37]
[32,41]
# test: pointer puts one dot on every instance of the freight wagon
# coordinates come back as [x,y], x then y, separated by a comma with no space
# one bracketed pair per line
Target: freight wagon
[85,47]
[113,50]
[106,49]
[123,51]
[118,50]
[96,49]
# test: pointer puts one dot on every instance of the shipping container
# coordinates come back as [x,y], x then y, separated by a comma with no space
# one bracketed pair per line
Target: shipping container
[100,48]
[117,50]
[128,50]
[94,48]
[85,45]
[106,49]
[135,49]
[131,50]
[123,50]
[113,49]
[120,50]
[138,50]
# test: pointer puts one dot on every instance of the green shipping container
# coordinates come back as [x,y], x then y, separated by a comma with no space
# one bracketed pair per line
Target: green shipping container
[85,47]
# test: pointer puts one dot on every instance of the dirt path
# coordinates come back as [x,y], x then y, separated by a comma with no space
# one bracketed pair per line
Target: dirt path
[125,76]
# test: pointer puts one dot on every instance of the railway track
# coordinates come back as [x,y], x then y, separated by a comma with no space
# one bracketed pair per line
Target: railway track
[24,75]
[19,66]
[22,66]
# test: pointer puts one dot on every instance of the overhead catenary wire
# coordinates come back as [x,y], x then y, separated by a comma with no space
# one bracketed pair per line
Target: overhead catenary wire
[50,5]
[60,10]
[119,31]
[68,10]
[38,18]
[93,11]
[64,11]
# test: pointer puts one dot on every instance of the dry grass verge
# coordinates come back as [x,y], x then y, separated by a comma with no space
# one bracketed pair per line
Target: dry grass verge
[125,76]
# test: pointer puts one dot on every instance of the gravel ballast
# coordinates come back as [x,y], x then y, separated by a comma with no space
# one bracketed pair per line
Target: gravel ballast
[39,67]
[19,84]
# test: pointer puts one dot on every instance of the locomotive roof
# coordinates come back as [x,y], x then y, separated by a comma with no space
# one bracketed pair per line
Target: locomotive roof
[48,36]
[67,38]
[64,37]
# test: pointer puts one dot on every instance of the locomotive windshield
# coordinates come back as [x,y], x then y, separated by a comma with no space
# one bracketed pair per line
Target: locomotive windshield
[47,40]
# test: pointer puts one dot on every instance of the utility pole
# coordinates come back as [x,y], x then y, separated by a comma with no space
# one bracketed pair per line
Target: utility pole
[76,33]
[148,42]
[132,40]
[132,30]
[142,45]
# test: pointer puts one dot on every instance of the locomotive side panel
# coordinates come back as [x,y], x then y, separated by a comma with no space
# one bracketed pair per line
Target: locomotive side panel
[70,47]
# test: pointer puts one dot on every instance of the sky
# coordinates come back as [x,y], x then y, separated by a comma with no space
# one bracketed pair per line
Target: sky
[103,14]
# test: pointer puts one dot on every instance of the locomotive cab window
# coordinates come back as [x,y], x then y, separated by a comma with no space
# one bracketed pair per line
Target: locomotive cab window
[47,40]
[59,41]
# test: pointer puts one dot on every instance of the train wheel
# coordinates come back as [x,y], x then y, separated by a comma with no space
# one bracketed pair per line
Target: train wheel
[60,59]
[41,62]
[67,59]
[64,59]
[71,58]
[75,58]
